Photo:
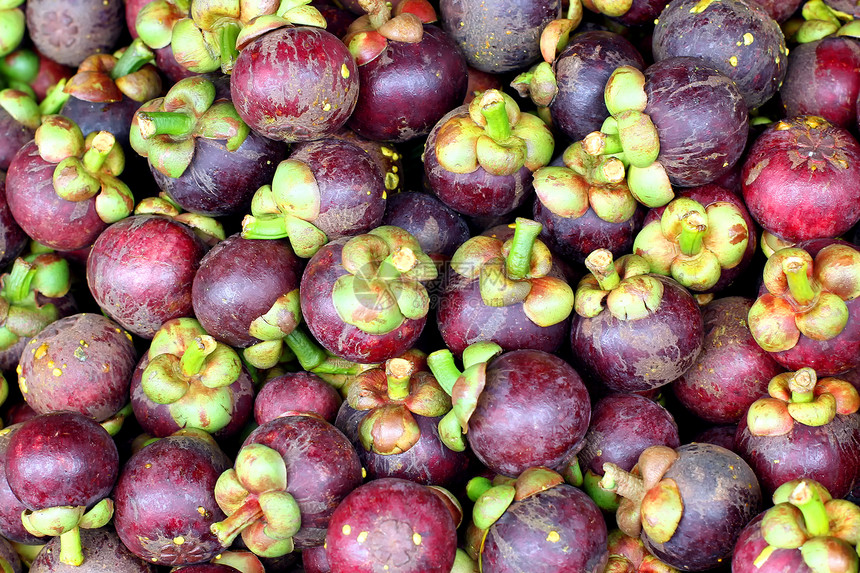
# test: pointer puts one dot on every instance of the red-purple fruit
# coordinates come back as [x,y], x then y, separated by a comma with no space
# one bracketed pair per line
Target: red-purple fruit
[62,466]
[628,12]
[437,228]
[164,499]
[732,370]
[394,525]
[402,60]
[103,551]
[780,10]
[289,476]
[9,559]
[363,297]
[805,428]
[68,33]
[13,239]
[799,179]
[296,392]
[688,505]
[537,523]
[479,158]
[11,526]
[632,330]
[82,363]
[141,270]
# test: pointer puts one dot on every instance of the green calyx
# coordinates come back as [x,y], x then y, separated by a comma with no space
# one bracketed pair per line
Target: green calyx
[623,287]
[383,285]
[493,499]
[65,522]
[209,229]
[155,21]
[539,84]
[164,129]
[820,21]
[271,329]
[606,500]
[612,8]
[106,78]
[12,26]
[22,107]
[21,313]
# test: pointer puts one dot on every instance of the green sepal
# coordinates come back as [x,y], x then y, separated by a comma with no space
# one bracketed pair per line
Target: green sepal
[160,382]
[650,185]
[12,28]
[466,391]
[477,486]
[279,320]
[451,433]
[52,521]
[222,122]
[194,49]
[282,513]
[21,106]
[260,469]
[492,505]
[264,355]
[171,158]
[99,516]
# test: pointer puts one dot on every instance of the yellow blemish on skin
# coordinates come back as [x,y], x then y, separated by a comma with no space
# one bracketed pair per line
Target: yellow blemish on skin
[734,61]
[363,473]
[50,363]
[416,538]
[553,537]
[201,510]
[57,372]
[127,335]
[700,6]
[105,367]
[346,530]
[748,39]
[41,351]
[22,383]
[386,151]
[344,71]
[179,540]
[147,466]
[19,370]
[327,107]
[362,537]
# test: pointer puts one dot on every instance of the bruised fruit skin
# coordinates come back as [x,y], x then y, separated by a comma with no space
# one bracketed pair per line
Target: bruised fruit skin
[164,500]
[11,507]
[392,524]
[68,33]
[799,179]
[103,551]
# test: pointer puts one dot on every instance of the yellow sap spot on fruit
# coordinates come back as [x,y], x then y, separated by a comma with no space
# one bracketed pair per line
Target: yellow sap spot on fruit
[363,473]
[179,540]
[385,194]
[105,367]
[391,181]
[201,510]
[22,383]
[118,330]
[553,537]
[57,372]
[748,39]
[362,537]
[327,106]
[776,461]
[81,342]
[41,351]
[147,466]
[19,370]
[154,559]
[416,538]
[127,335]
[344,71]
[782,126]
[346,529]
[50,363]
[700,6]
[734,61]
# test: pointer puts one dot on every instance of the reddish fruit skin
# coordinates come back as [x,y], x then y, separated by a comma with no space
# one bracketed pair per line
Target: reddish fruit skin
[222,301]
[13,239]
[11,558]
[432,72]
[732,370]
[723,436]
[428,462]
[69,32]
[750,545]
[478,193]
[534,411]
[132,8]
[61,458]
[829,454]
[637,355]
[823,79]
[780,10]
[642,12]
[102,550]
[622,426]
[336,336]
[392,511]
[10,506]
[10,357]
[165,491]
[519,541]
[800,180]
[168,65]
[50,72]
[41,213]
[295,84]
[314,560]
[438,229]
[13,136]
[140,272]
[322,468]
[296,392]
[581,72]
[700,116]
[721,495]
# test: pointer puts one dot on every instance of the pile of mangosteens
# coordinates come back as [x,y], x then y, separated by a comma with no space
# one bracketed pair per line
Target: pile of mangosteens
[429,286]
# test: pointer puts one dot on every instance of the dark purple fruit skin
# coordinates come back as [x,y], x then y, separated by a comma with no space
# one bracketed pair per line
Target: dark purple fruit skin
[352,190]
[295,84]
[479,193]
[13,239]
[712,34]
[114,117]
[642,12]
[166,491]
[156,419]
[438,228]
[61,458]
[9,358]
[223,302]
[314,560]
[13,136]
[100,358]
[581,72]
[823,79]
[500,36]
[428,462]
[432,72]
[392,511]
[10,506]
[721,495]
[575,238]
[622,426]
[637,355]
[732,370]
[518,542]
[533,411]
[68,32]
[750,545]
[41,213]
[322,468]
[336,336]
[206,568]
[296,392]
[723,436]
[829,454]
[847,6]
[780,10]
[220,182]
[103,551]
[168,65]
[141,272]
[8,554]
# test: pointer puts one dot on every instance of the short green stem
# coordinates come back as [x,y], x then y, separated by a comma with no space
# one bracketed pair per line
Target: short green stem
[599,143]
[95,157]
[807,500]
[16,285]
[195,355]
[309,354]
[602,266]
[693,229]
[228,36]
[398,372]
[798,282]
[443,367]
[498,124]
[164,123]
[234,524]
[55,99]
[71,552]
[133,58]
[802,386]
[264,227]
[518,262]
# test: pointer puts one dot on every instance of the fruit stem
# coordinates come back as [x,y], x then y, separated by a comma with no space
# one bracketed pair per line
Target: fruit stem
[518,261]
[623,483]
[498,124]
[164,123]
[399,373]
[602,266]
[802,385]
[235,523]
[308,353]
[265,227]
[378,11]
[95,156]
[228,36]
[133,58]
[798,282]
[55,99]
[599,143]
[443,367]
[71,552]
[693,228]
[195,355]
[806,499]
[16,285]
